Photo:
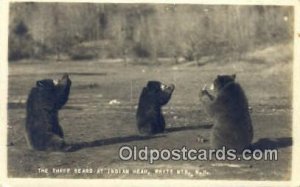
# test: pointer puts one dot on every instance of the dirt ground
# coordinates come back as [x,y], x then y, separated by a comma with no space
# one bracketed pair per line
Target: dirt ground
[91,116]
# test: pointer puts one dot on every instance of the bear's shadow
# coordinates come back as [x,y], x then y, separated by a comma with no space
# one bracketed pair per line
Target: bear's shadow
[126,139]
[272,143]
[191,127]
[110,141]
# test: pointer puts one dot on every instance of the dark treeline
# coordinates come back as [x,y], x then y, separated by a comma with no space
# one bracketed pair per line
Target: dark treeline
[150,31]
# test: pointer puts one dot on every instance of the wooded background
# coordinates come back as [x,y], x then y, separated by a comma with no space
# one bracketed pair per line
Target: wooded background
[147,31]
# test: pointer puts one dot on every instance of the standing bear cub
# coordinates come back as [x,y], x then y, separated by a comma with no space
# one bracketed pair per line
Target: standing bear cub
[43,131]
[149,116]
[229,109]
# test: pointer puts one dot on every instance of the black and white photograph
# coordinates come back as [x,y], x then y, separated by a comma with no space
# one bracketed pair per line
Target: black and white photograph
[103,90]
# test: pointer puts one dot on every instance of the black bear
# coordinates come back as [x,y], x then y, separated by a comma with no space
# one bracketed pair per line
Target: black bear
[149,116]
[228,107]
[43,131]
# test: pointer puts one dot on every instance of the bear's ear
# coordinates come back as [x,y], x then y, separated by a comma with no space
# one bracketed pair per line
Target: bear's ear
[233,76]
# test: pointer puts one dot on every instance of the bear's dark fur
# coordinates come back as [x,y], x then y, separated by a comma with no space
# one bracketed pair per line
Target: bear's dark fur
[43,131]
[229,109]
[149,116]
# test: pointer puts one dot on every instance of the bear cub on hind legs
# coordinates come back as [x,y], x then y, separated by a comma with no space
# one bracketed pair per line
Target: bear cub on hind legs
[149,115]
[43,131]
[228,108]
